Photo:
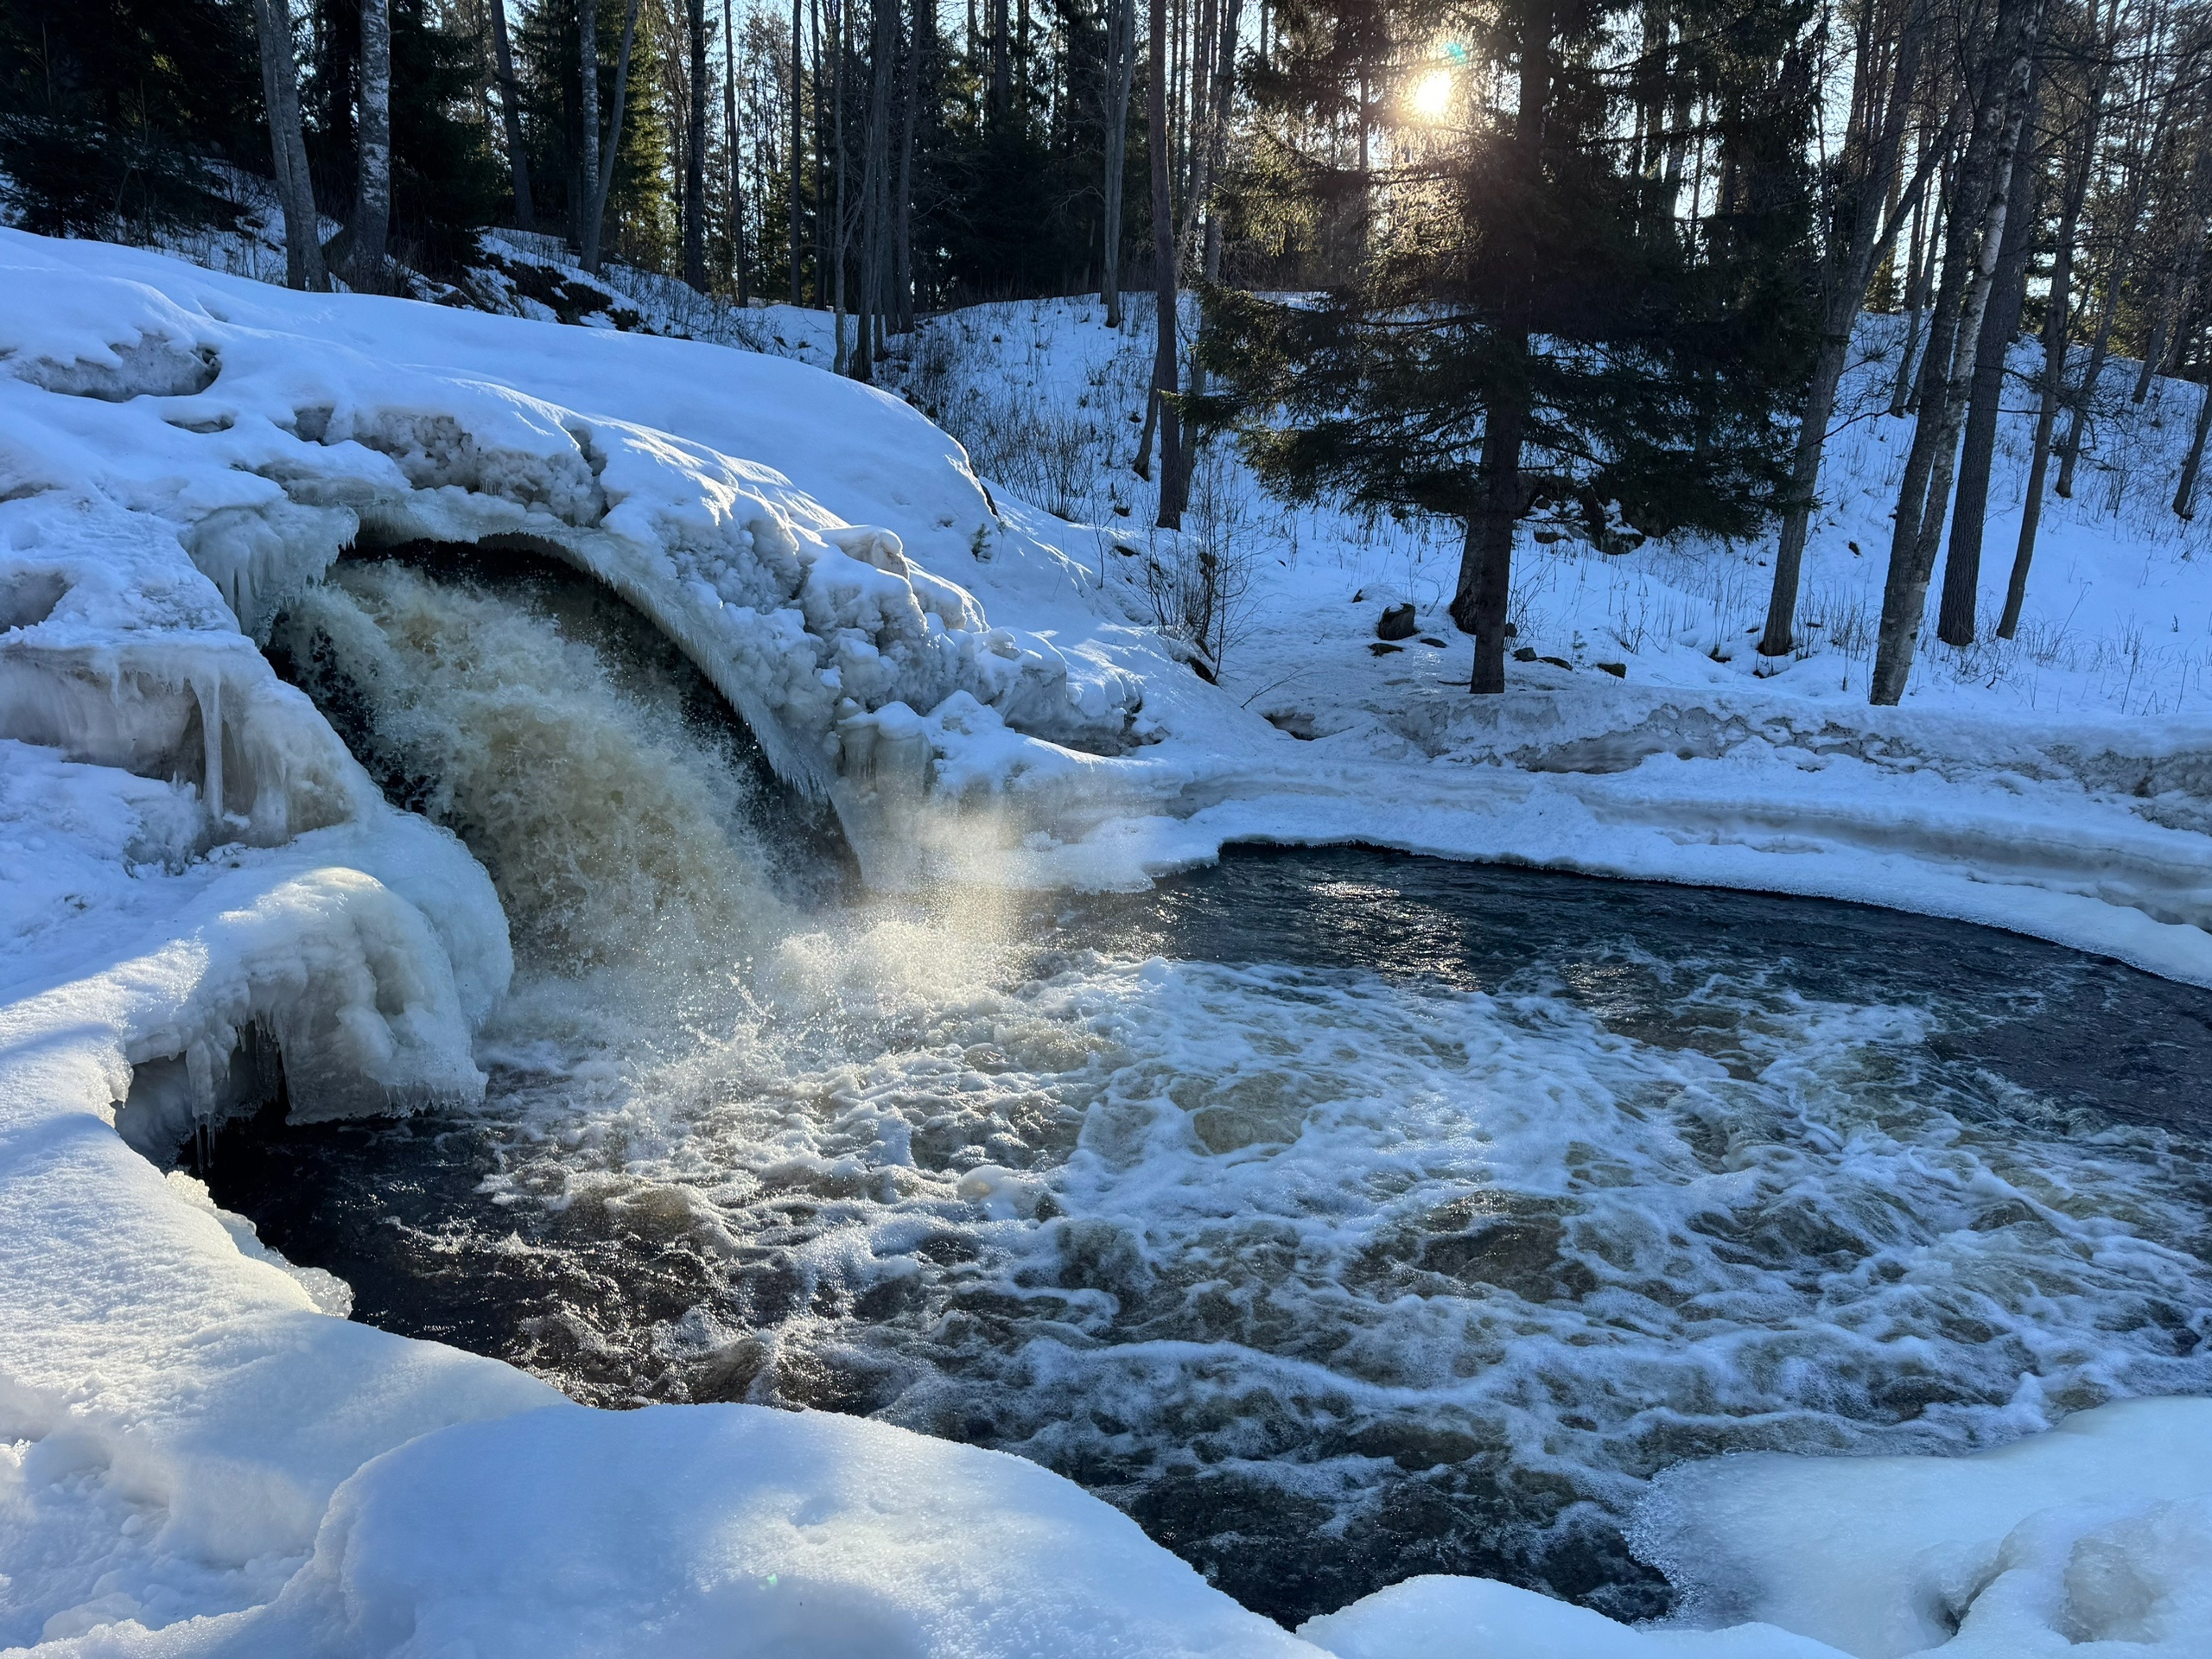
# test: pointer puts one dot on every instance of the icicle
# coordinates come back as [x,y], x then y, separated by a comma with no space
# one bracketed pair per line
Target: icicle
[210,694]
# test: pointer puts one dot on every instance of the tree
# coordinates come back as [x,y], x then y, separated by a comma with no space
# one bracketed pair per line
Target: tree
[1523,327]
[1955,619]
[1164,373]
[599,158]
[303,266]
[1863,181]
[2147,136]
[109,113]
[2057,311]
[372,149]
[1121,72]
[695,150]
[511,117]
[736,206]
[1999,85]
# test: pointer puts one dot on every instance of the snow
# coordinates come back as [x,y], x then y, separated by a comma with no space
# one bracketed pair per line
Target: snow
[197,1458]
[2094,1538]
[1437,1617]
[2055,787]
[270,434]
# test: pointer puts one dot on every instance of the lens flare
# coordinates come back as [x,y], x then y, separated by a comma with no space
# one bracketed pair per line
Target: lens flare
[1432,95]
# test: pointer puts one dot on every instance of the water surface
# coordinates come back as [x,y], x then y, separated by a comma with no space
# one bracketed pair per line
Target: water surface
[1340,1215]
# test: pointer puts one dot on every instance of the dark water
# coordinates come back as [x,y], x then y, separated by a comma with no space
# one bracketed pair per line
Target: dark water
[1793,1134]
[1341,1215]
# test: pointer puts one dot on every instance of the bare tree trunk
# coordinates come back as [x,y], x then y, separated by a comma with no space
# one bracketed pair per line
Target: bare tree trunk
[511,117]
[600,158]
[1920,278]
[2162,318]
[1224,97]
[1485,583]
[841,238]
[883,30]
[1002,95]
[920,27]
[798,141]
[2185,491]
[1845,279]
[1678,142]
[695,158]
[2056,315]
[1648,81]
[365,270]
[1985,177]
[2180,282]
[1121,71]
[2077,423]
[588,69]
[2142,167]
[1164,374]
[1956,618]
[736,157]
[280,86]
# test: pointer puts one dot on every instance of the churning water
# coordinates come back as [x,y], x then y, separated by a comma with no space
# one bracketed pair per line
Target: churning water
[1341,1215]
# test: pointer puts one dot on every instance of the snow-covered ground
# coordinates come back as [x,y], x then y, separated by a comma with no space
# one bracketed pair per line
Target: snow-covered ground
[196,1458]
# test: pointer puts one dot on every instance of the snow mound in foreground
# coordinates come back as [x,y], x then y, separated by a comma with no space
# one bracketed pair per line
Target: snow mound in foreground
[697,1530]
[672,1529]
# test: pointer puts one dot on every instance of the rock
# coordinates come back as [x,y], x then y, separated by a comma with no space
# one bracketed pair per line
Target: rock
[1526,654]
[1430,639]
[1618,671]
[1397,623]
[1386,650]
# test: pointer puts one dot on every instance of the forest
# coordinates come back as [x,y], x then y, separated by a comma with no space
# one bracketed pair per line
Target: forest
[1593,265]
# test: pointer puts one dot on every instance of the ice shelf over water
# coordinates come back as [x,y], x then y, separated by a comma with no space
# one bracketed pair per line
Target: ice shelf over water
[196,1458]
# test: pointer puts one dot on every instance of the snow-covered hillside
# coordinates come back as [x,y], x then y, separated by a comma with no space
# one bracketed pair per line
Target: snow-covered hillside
[2119,619]
[195,1457]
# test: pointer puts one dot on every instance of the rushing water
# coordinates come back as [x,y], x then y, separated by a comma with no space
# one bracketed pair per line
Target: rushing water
[1341,1215]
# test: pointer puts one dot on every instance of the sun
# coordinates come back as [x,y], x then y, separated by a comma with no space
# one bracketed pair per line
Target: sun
[1432,95]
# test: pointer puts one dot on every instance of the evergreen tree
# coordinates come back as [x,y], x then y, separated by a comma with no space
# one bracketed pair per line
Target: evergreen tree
[108,112]
[1521,327]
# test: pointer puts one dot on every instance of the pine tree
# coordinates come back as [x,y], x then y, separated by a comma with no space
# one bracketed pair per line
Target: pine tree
[1519,330]
[108,111]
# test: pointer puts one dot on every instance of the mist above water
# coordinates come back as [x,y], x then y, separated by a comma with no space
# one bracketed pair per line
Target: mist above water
[1341,1215]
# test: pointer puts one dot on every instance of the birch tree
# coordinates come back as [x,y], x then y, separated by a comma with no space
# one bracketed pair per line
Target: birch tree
[373,152]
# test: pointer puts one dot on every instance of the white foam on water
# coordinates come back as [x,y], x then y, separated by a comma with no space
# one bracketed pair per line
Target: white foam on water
[1293,1262]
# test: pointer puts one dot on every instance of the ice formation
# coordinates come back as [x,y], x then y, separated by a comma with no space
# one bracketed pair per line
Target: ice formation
[267,439]
[198,884]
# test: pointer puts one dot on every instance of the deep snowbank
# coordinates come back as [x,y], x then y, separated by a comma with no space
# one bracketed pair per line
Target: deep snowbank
[196,1459]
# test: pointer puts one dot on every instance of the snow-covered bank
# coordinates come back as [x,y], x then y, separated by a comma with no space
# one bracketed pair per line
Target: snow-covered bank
[2056,787]
[195,1457]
